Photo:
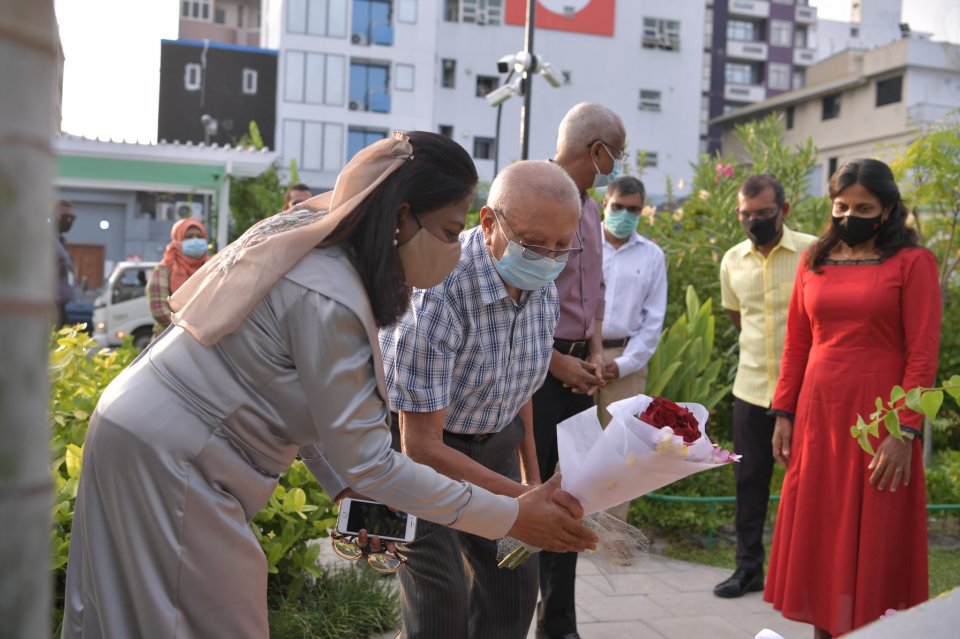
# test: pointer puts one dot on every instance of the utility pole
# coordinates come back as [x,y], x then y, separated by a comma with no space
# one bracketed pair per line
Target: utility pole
[527,84]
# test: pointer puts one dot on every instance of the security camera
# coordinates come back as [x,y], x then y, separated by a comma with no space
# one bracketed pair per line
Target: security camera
[503,64]
[551,75]
[500,95]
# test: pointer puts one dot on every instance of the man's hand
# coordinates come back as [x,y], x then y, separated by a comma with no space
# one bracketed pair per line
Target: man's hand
[575,373]
[611,371]
[891,464]
[782,432]
[545,520]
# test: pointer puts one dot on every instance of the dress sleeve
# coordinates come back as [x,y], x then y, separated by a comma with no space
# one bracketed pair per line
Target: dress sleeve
[921,311]
[334,363]
[796,347]
[158,296]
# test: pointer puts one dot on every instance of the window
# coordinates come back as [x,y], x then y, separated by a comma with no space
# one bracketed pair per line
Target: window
[799,79]
[219,16]
[448,73]
[196,9]
[360,138]
[831,108]
[371,22]
[788,116]
[484,148]
[368,87]
[661,34]
[249,82]
[486,84]
[326,73]
[778,76]
[802,38]
[403,80]
[781,33]
[889,91]
[407,11]
[473,11]
[445,129]
[315,146]
[192,76]
[316,17]
[451,10]
[741,73]
[743,30]
[240,9]
[832,166]
[649,159]
[649,100]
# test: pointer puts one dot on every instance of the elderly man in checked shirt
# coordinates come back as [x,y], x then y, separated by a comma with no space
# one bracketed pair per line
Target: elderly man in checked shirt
[461,368]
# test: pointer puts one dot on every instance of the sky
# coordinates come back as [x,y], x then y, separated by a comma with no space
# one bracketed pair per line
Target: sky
[112,49]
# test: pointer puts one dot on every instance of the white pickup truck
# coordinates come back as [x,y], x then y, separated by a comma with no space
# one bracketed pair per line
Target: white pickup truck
[121,309]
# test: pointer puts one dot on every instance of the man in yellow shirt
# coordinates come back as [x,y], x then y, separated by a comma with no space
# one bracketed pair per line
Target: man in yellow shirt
[756,279]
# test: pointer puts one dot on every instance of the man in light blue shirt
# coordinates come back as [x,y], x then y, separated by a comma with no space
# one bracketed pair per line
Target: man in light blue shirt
[461,368]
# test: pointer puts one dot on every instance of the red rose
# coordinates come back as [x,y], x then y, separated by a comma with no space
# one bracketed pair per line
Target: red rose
[663,412]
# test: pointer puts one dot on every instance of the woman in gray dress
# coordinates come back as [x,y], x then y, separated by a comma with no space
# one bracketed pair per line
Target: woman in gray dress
[273,353]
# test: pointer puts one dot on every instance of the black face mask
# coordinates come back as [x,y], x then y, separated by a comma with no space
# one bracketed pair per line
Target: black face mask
[762,231]
[65,224]
[857,230]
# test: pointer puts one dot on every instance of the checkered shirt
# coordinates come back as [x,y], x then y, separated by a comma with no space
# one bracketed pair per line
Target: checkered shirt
[467,346]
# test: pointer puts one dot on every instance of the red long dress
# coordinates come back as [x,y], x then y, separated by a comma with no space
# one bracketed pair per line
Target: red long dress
[844,552]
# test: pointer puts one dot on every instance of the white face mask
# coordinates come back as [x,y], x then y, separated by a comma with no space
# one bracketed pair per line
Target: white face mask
[427,260]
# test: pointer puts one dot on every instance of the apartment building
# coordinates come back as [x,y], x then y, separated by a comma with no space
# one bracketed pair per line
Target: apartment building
[224,21]
[350,71]
[863,103]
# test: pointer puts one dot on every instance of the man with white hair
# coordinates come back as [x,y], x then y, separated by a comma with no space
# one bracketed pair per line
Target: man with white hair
[590,148]
[461,368]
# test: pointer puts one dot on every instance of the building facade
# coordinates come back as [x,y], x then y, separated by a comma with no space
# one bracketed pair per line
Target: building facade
[223,21]
[350,71]
[863,103]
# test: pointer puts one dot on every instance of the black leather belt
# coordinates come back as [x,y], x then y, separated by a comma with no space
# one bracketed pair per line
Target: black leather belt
[616,343]
[577,348]
[469,437]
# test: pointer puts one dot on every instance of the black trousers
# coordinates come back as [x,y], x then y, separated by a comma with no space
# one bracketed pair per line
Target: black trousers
[752,438]
[556,612]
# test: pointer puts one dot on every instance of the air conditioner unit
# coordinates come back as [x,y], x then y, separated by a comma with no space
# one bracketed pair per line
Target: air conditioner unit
[189,209]
[166,211]
[354,105]
[359,38]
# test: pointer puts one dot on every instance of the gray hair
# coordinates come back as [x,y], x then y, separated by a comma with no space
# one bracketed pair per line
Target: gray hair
[586,123]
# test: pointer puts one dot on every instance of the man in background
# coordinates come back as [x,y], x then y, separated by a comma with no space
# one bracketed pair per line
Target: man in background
[295,195]
[635,275]
[63,218]
[756,280]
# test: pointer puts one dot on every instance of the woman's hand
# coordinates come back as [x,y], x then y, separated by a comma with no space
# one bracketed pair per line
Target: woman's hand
[782,434]
[891,464]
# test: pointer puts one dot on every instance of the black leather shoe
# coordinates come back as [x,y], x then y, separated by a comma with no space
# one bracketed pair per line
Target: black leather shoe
[570,635]
[740,583]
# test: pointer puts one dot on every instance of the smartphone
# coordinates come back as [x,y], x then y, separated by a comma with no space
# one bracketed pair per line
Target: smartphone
[376,518]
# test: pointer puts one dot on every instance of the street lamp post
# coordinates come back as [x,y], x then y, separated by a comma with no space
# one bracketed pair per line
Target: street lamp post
[527,84]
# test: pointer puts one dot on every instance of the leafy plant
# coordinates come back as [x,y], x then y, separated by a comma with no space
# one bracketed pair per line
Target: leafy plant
[684,367]
[922,400]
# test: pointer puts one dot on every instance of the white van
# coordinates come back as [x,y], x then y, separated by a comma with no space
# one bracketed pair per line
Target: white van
[121,309]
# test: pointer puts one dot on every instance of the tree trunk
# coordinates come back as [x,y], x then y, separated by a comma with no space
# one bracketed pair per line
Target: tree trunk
[28,63]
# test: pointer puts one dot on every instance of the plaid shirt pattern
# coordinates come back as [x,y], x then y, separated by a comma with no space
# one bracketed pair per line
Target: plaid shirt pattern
[467,346]
[158,292]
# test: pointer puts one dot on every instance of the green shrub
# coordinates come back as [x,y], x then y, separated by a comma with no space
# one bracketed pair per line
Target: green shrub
[943,480]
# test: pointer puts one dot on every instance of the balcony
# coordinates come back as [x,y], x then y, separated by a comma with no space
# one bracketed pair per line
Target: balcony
[806,15]
[804,57]
[751,8]
[744,93]
[742,50]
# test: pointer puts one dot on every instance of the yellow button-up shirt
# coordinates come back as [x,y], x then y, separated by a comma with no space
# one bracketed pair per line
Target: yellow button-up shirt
[759,289]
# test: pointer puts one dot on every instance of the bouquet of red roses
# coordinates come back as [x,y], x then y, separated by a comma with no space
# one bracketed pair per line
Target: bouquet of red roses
[663,413]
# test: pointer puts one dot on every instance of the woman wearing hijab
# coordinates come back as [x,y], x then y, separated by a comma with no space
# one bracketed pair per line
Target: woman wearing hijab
[185,254]
[274,353]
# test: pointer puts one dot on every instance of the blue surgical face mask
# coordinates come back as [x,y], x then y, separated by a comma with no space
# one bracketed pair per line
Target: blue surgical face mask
[195,247]
[620,222]
[603,179]
[527,275]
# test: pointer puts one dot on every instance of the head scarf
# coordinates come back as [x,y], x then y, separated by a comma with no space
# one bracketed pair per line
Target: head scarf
[182,267]
[218,299]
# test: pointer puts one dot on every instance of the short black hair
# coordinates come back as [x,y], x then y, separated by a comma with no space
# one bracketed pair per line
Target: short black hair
[627,185]
[441,173]
[299,186]
[756,184]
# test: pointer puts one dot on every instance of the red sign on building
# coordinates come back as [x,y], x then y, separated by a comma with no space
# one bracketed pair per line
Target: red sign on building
[580,16]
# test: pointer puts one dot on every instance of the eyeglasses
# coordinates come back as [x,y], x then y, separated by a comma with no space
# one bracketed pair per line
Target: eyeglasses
[380,560]
[620,156]
[535,251]
[762,214]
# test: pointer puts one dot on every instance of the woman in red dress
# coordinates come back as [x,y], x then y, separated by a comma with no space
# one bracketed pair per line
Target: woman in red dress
[851,534]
